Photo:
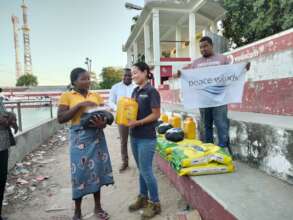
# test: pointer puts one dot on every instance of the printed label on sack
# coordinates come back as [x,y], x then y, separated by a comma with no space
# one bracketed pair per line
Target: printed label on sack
[209,170]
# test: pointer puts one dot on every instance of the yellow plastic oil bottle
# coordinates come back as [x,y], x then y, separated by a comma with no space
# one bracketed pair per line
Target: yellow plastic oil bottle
[127,109]
[164,118]
[175,121]
[190,128]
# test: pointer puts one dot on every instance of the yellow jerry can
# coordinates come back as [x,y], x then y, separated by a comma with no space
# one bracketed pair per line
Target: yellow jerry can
[175,121]
[164,118]
[190,128]
[127,109]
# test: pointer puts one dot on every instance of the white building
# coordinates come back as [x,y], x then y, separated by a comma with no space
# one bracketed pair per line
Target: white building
[167,34]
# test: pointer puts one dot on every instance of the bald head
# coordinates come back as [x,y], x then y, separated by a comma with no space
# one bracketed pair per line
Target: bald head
[127,77]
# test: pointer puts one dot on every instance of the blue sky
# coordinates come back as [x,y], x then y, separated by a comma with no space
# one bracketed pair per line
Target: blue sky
[63,33]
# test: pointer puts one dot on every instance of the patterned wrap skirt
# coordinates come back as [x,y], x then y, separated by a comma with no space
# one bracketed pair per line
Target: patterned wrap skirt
[90,161]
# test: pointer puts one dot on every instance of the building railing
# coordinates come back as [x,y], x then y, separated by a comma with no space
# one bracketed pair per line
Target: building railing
[175,59]
[21,104]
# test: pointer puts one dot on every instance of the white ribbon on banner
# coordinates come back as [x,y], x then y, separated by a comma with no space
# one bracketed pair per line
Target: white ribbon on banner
[213,86]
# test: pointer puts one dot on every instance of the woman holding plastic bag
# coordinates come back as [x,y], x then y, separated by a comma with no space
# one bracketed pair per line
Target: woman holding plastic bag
[90,161]
[143,140]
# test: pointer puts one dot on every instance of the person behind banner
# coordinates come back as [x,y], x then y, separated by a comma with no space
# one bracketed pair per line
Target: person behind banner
[122,89]
[214,115]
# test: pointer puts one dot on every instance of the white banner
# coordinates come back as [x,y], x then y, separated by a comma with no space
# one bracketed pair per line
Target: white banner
[213,86]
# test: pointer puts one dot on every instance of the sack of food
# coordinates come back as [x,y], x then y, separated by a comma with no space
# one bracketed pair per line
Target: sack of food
[189,142]
[162,147]
[217,154]
[163,144]
[184,143]
[211,168]
[188,156]
[221,157]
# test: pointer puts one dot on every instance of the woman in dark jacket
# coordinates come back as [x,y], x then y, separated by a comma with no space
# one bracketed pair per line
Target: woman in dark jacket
[143,140]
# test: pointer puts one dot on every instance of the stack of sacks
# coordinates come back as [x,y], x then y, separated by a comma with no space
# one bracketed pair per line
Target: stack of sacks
[164,147]
[200,159]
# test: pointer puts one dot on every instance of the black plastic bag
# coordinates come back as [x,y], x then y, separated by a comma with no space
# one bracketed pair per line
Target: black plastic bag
[86,117]
[175,134]
[163,128]
[159,122]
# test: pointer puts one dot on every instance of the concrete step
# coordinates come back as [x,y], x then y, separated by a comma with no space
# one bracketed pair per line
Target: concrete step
[279,121]
[263,140]
[246,194]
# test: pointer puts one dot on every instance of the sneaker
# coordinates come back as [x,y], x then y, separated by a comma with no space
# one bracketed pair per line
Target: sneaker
[141,202]
[151,210]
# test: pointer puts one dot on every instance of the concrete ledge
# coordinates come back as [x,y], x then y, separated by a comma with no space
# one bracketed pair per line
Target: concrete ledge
[246,194]
[285,122]
[29,140]
[199,199]
[262,140]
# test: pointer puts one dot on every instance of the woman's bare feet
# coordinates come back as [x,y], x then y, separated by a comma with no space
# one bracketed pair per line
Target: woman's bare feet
[101,214]
[77,215]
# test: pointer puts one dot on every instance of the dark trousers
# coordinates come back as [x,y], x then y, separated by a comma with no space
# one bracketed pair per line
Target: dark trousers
[219,117]
[3,175]
[124,133]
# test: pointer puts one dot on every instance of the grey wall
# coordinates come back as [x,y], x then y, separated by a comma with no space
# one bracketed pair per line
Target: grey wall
[31,139]
[265,147]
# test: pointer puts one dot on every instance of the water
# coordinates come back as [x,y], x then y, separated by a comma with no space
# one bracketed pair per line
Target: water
[35,116]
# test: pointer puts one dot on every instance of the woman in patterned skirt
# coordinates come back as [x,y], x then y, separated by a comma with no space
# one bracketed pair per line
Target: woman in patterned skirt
[90,161]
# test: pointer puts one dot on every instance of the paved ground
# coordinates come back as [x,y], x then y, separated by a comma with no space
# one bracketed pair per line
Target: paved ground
[52,199]
[250,193]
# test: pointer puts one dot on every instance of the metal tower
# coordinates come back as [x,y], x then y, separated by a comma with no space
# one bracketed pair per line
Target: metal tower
[26,41]
[15,22]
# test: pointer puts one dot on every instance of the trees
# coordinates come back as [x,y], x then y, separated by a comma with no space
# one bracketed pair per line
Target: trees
[94,81]
[110,76]
[251,20]
[27,80]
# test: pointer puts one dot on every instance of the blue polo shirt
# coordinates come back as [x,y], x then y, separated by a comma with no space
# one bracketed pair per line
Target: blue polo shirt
[147,98]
